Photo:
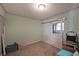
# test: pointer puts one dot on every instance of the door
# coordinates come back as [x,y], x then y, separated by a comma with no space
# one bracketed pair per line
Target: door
[1,32]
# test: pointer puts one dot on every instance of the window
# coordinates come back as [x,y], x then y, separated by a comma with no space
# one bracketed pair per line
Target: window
[58,27]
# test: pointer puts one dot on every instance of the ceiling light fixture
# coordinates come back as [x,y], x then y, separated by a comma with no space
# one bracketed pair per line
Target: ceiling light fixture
[41,6]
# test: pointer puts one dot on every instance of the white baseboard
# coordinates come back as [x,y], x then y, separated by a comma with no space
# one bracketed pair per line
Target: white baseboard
[33,42]
[23,45]
[47,42]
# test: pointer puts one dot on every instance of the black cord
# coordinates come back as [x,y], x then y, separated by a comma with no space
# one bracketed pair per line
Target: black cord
[2,46]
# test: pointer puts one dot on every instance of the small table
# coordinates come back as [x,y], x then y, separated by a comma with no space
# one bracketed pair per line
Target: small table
[69,47]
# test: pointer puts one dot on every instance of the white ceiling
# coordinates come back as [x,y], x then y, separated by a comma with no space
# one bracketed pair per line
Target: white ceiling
[29,10]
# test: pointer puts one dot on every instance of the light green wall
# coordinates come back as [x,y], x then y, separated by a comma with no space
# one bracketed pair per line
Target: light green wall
[22,30]
[77,20]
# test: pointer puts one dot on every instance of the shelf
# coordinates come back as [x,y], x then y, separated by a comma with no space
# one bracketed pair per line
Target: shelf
[69,47]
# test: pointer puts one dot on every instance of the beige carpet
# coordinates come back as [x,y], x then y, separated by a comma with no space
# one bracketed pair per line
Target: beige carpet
[36,49]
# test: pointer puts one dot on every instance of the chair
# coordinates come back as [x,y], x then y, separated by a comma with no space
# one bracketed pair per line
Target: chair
[71,37]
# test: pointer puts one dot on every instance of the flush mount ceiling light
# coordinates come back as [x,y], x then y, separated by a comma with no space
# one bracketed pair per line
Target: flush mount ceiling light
[41,6]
